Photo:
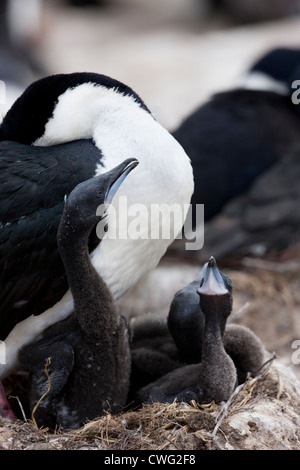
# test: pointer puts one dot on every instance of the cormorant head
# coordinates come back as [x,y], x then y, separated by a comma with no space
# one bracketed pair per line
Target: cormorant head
[61,108]
[215,290]
[88,202]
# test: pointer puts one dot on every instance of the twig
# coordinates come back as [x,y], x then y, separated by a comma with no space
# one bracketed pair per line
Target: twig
[21,407]
[167,442]
[221,415]
[240,311]
[280,386]
[265,369]
[43,396]
[282,267]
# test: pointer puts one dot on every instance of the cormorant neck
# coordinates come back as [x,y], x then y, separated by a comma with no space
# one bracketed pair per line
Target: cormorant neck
[94,304]
[215,323]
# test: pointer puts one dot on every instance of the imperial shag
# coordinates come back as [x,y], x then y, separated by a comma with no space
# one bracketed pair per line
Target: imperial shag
[65,129]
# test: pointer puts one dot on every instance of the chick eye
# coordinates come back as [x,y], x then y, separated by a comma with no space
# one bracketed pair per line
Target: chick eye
[99,193]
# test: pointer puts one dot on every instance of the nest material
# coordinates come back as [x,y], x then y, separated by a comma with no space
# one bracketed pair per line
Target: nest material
[262,414]
[177,426]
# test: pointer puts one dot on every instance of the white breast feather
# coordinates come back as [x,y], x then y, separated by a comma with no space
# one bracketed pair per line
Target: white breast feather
[122,129]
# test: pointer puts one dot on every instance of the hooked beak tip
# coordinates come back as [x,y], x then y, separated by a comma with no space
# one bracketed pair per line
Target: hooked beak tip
[212,262]
[213,283]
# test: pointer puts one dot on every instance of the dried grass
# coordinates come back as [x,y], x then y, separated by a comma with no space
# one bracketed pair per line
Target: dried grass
[171,426]
[267,300]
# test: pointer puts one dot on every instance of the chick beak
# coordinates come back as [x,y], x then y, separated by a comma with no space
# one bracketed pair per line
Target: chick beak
[213,283]
[118,175]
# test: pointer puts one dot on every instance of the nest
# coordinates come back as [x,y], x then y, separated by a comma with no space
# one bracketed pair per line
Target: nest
[156,427]
[263,413]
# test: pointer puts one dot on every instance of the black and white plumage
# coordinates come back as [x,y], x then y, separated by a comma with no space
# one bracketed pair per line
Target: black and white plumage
[265,217]
[33,188]
[274,71]
[88,354]
[240,134]
[107,114]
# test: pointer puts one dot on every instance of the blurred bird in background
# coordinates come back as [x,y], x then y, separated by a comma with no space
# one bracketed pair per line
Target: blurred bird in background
[244,145]
[20,33]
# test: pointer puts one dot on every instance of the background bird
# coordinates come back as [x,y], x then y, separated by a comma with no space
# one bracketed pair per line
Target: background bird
[238,141]
[113,123]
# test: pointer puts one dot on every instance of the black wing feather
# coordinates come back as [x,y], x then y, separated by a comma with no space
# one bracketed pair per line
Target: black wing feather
[33,185]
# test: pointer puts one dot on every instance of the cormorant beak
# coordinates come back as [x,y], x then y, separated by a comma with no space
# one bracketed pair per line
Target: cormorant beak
[118,174]
[213,283]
